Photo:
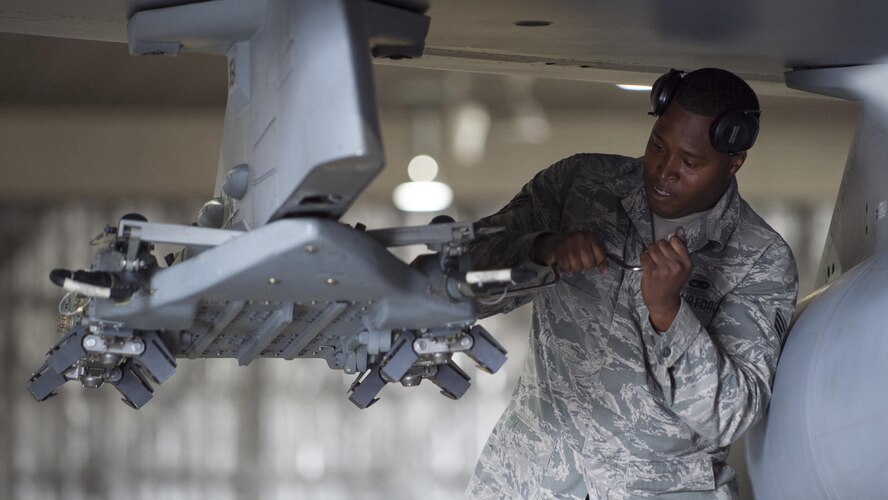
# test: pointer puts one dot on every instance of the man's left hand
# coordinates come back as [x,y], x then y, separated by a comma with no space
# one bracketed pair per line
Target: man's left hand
[667,267]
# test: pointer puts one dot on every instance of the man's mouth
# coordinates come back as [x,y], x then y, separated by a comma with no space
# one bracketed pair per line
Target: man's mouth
[661,192]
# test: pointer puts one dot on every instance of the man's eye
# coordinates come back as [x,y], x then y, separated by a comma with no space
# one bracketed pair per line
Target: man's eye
[689,164]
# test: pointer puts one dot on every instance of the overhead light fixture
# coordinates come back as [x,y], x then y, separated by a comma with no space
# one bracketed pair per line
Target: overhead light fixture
[422,168]
[422,196]
[635,88]
[532,23]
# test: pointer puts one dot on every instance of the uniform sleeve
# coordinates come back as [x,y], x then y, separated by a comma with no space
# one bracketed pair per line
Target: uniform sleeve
[534,211]
[718,381]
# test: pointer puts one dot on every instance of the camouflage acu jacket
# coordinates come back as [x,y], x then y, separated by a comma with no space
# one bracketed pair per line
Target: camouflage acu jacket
[605,404]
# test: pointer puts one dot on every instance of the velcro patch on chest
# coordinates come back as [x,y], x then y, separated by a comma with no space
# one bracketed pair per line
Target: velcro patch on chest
[699,282]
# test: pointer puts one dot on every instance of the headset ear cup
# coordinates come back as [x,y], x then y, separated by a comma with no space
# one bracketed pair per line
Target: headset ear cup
[663,90]
[734,131]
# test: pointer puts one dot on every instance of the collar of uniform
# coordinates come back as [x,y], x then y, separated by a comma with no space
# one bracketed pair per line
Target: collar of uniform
[635,205]
[716,226]
[722,219]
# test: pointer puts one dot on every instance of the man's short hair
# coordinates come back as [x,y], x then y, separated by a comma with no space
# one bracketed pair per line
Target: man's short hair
[713,91]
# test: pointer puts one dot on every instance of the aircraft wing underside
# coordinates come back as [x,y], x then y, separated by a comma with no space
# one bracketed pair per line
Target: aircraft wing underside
[584,40]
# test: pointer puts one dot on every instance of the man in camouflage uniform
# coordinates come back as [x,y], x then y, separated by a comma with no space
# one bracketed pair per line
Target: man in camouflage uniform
[637,382]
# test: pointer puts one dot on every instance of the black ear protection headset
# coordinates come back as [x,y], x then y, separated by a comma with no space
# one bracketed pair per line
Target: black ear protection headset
[732,132]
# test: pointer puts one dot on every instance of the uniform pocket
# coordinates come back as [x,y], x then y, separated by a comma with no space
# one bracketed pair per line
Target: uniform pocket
[692,473]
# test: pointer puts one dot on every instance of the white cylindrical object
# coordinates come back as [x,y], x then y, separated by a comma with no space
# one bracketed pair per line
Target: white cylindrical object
[826,431]
[99,292]
[489,276]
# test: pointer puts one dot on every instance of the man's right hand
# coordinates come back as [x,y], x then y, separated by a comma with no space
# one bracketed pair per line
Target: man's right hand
[570,252]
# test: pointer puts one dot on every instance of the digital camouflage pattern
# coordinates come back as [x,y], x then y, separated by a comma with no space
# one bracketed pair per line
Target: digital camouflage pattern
[605,404]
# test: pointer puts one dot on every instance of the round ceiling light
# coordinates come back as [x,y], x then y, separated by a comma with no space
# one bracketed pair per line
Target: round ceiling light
[422,168]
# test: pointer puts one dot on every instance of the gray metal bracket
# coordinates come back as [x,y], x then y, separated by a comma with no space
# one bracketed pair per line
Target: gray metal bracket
[272,327]
[203,342]
[365,388]
[431,234]
[314,328]
[132,385]
[486,351]
[112,345]
[400,358]
[68,350]
[156,361]
[44,382]
[175,234]
[452,380]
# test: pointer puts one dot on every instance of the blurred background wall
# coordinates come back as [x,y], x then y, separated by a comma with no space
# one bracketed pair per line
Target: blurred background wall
[88,133]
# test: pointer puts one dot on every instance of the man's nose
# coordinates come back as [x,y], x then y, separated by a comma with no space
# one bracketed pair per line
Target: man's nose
[669,168]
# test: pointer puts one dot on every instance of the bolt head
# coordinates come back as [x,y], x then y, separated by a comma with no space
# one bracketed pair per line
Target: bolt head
[92,381]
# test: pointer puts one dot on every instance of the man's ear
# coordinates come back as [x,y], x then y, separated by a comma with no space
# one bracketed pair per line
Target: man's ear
[736,161]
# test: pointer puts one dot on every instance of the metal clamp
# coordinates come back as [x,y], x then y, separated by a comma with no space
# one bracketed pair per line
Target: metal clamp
[99,344]
[365,388]
[435,345]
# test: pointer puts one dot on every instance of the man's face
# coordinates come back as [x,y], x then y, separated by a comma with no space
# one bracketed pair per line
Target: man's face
[683,173]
